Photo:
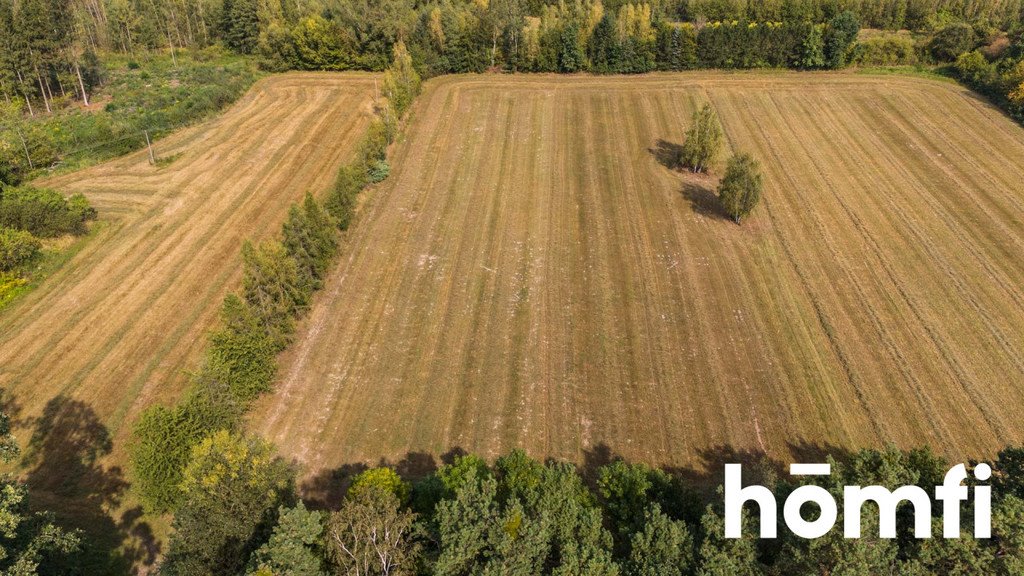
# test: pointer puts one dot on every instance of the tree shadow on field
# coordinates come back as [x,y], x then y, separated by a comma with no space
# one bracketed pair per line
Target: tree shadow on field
[691,489]
[327,489]
[65,476]
[667,154]
[704,201]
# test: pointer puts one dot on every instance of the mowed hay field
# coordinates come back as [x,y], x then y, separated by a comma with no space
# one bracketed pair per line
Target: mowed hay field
[121,324]
[532,275]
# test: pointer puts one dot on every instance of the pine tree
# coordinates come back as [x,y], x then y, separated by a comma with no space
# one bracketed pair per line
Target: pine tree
[243,26]
[663,548]
[272,287]
[570,53]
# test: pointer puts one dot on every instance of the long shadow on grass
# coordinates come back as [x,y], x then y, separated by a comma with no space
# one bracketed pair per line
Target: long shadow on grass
[65,476]
[667,153]
[326,490]
[703,201]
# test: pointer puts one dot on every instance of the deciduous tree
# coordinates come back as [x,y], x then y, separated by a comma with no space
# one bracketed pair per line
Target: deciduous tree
[740,189]
[232,489]
[372,534]
[703,140]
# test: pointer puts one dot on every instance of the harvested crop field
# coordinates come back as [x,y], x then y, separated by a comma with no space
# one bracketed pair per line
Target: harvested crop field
[533,274]
[119,325]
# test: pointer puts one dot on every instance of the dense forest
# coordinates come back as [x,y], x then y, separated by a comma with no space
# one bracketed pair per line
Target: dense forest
[48,48]
[166,63]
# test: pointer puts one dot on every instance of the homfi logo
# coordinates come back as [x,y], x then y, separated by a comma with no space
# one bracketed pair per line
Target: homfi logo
[951,493]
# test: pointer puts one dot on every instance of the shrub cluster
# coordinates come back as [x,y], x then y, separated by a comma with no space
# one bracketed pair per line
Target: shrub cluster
[886,50]
[1001,79]
[44,213]
[17,249]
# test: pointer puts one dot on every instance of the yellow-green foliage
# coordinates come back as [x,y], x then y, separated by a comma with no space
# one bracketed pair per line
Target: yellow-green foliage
[17,249]
[226,457]
[401,81]
[886,50]
[384,479]
[10,285]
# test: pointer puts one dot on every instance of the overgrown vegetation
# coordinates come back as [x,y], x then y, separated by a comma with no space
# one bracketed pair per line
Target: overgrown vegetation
[279,278]
[26,215]
[998,74]
[149,92]
[17,249]
[44,213]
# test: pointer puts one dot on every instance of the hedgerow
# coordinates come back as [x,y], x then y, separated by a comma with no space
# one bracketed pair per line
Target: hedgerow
[278,281]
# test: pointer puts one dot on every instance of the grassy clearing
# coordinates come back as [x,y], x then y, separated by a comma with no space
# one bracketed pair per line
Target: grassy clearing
[532,275]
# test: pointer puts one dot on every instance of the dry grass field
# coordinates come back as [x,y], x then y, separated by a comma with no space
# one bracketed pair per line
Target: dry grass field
[532,274]
[117,327]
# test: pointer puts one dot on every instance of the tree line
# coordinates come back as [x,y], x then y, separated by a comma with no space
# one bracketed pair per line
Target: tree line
[240,513]
[997,73]
[278,279]
[48,48]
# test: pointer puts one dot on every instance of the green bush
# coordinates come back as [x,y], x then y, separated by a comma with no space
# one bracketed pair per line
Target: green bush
[886,50]
[341,200]
[373,147]
[17,249]
[740,189]
[379,171]
[384,479]
[240,353]
[44,213]
[949,43]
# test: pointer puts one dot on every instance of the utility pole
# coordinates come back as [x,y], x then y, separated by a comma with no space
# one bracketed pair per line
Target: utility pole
[152,159]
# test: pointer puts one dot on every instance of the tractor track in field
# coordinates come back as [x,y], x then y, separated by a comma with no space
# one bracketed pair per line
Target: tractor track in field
[121,324]
[531,276]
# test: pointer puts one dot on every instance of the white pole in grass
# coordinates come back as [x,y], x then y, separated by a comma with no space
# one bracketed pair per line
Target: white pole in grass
[25,146]
[149,144]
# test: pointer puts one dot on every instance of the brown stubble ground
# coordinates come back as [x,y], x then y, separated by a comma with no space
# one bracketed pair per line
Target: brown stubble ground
[119,326]
[531,276]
